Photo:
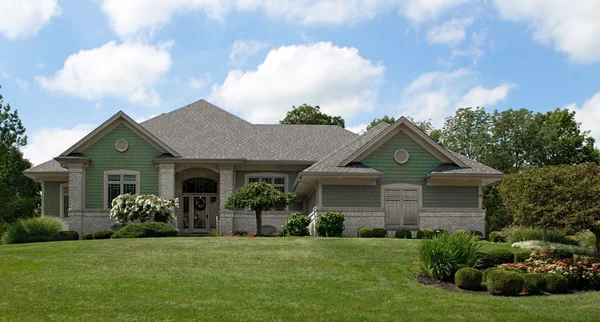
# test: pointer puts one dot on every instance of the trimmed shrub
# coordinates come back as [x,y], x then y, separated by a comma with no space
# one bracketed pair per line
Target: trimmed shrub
[487,272]
[497,237]
[31,230]
[66,235]
[556,283]
[146,229]
[424,233]
[521,256]
[496,257]
[364,232]
[534,283]
[297,225]
[403,233]
[379,233]
[476,233]
[501,282]
[330,224]
[100,234]
[468,279]
[441,256]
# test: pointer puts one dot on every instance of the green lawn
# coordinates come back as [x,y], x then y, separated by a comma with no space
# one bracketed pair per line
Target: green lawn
[284,279]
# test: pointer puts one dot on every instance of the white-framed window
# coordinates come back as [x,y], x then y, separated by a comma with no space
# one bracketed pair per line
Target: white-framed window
[279,181]
[119,182]
[64,200]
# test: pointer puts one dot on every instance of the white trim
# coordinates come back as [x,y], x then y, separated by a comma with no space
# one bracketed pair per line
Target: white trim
[271,175]
[119,172]
[403,186]
[62,199]
[124,148]
[320,194]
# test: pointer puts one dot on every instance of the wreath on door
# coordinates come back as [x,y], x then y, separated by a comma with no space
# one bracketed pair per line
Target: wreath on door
[200,204]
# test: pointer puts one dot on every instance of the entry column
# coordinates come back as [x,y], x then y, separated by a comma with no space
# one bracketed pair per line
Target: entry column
[225,191]
[166,186]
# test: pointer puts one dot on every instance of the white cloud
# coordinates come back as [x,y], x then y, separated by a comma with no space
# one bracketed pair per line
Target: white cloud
[129,18]
[589,114]
[48,143]
[436,95]
[336,78]
[572,27]
[241,50]
[24,18]
[128,70]
[358,129]
[451,32]
[23,84]
[199,82]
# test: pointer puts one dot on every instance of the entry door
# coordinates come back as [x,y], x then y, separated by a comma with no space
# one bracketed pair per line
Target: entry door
[401,207]
[196,213]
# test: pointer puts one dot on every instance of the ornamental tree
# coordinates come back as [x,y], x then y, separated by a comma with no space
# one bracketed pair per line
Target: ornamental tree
[128,207]
[566,196]
[259,196]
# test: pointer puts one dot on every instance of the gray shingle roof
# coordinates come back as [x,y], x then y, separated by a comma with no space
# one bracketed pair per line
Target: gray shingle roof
[474,167]
[330,163]
[48,166]
[202,130]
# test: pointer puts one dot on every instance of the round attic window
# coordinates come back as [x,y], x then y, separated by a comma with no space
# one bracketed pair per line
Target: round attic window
[401,156]
[121,145]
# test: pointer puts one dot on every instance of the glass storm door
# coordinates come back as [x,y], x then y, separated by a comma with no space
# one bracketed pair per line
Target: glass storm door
[195,213]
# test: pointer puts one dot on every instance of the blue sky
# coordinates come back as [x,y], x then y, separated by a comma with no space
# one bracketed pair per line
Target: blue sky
[68,65]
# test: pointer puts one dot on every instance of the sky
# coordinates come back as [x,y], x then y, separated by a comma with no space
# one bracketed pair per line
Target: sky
[69,65]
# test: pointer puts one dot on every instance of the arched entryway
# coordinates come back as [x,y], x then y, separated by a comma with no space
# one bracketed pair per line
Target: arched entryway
[199,205]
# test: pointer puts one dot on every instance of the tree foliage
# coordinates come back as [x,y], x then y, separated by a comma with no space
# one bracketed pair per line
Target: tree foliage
[566,196]
[19,196]
[384,119]
[467,132]
[307,114]
[259,196]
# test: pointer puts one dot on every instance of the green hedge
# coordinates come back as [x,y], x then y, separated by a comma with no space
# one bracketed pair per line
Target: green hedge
[501,282]
[66,235]
[31,230]
[556,283]
[468,279]
[496,257]
[100,234]
[534,283]
[424,233]
[364,232]
[487,272]
[146,229]
[297,225]
[521,256]
[403,233]
[330,224]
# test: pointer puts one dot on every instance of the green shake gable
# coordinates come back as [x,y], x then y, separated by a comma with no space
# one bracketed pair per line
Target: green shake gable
[104,156]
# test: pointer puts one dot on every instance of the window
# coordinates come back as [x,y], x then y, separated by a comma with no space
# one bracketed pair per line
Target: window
[64,200]
[277,180]
[120,182]
[199,185]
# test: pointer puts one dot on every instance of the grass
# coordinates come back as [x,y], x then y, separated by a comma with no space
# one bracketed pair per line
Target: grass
[283,279]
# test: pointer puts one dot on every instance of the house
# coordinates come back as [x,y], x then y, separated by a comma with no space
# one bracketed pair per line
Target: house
[392,176]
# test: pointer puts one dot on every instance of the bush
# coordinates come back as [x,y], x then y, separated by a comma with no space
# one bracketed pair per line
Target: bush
[501,282]
[424,233]
[146,229]
[487,272]
[100,234]
[403,233]
[564,249]
[364,232]
[379,233]
[297,225]
[331,224]
[521,256]
[496,257]
[497,237]
[476,233]
[128,207]
[66,235]
[519,234]
[441,256]
[556,283]
[468,279]
[31,230]
[586,239]
[534,283]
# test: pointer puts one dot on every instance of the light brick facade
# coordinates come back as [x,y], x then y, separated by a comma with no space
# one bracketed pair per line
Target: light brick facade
[226,184]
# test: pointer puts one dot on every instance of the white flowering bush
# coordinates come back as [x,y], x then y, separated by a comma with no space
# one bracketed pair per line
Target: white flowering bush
[128,207]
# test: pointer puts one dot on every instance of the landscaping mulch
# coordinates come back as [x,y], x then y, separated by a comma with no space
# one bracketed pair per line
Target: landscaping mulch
[446,286]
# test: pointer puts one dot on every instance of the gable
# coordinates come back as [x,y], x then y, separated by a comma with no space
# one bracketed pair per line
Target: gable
[420,163]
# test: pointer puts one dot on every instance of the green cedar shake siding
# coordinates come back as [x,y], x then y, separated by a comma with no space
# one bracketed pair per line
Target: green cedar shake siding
[420,164]
[138,157]
[240,177]
[52,198]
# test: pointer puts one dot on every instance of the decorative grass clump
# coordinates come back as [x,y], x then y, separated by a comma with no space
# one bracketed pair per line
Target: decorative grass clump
[31,230]
[501,282]
[403,233]
[441,256]
[566,251]
[146,229]
[556,283]
[534,283]
[468,279]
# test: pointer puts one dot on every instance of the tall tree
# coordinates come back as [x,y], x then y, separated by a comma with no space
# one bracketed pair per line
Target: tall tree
[19,196]
[425,126]
[467,132]
[306,114]
[384,119]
